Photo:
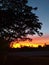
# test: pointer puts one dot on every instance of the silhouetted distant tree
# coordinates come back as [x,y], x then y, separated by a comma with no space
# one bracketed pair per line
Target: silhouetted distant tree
[39,46]
[17,20]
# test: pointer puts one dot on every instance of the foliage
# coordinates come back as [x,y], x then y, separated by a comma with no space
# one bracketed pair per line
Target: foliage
[17,20]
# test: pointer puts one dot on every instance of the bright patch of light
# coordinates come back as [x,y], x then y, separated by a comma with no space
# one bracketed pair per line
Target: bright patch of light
[21,44]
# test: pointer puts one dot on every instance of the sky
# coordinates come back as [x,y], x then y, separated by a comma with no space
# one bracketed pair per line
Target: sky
[42,13]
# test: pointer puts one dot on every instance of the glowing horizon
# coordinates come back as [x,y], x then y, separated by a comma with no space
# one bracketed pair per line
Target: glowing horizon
[36,41]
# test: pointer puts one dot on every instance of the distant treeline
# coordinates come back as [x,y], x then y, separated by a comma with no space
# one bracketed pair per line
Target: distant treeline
[25,48]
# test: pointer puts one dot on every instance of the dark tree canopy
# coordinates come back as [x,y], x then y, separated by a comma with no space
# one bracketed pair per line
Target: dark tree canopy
[17,20]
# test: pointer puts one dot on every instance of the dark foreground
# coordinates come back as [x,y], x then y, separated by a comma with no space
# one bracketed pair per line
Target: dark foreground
[13,59]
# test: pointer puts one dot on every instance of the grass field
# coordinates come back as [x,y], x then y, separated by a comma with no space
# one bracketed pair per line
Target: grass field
[23,60]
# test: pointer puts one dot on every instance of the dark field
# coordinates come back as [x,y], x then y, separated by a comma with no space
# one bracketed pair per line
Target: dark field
[23,60]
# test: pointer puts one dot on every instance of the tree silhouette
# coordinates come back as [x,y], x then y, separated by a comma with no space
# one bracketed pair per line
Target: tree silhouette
[17,20]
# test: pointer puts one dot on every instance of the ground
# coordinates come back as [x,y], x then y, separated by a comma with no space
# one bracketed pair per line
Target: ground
[23,60]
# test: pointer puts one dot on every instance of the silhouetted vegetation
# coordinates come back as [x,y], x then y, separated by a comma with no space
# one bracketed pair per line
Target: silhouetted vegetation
[28,49]
[17,20]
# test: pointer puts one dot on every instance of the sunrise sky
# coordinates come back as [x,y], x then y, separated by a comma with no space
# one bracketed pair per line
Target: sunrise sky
[36,41]
[43,13]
